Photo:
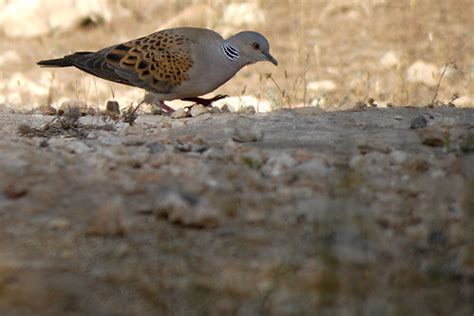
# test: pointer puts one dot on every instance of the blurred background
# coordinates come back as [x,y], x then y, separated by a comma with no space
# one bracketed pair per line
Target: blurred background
[332,54]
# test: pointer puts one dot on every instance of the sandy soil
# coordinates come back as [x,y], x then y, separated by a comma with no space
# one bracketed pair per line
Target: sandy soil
[302,211]
[328,213]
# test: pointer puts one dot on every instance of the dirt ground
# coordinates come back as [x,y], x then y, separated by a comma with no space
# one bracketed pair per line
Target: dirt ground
[323,206]
[341,213]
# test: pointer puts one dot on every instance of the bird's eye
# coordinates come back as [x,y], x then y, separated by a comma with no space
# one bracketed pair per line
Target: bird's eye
[256,45]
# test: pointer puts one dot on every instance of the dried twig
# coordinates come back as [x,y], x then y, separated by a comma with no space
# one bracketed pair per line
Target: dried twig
[451,63]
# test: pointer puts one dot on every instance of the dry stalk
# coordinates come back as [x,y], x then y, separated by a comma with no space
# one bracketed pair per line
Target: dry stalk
[435,96]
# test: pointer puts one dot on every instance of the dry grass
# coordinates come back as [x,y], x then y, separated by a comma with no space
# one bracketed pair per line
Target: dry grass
[341,40]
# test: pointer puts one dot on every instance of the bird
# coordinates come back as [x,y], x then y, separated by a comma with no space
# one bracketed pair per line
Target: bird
[177,63]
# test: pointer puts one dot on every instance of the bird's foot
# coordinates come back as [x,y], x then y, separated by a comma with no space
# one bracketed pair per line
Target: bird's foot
[166,109]
[206,102]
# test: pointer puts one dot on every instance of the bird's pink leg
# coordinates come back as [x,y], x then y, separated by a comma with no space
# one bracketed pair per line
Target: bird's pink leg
[164,107]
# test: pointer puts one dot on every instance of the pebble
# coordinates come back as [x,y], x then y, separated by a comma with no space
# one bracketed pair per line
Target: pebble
[112,109]
[246,131]
[279,163]
[197,110]
[59,224]
[47,110]
[72,105]
[179,114]
[359,106]
[419,122]
[225,108]
[433,136]
[249,109]
[186,210]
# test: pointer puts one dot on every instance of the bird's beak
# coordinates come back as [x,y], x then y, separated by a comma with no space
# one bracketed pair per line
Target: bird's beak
[271,59]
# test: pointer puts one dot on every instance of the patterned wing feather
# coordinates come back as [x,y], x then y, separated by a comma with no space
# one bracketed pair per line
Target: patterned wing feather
[158,62]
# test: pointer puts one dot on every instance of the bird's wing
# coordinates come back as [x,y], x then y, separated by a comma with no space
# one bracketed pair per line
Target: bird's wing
[158,62]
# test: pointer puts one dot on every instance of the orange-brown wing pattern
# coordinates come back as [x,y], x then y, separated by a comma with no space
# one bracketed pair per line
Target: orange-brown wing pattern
[161,60]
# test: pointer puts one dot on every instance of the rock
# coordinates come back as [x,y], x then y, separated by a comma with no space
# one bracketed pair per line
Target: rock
[433,136]
[236,103]
[197,110]
[59,223]
[179,113]
[15,190]
[225,108]
[70,117]
[463,101]
[246,131]
[322,86]
[359,106]
[278,164]
[32,18]
[389,60]
[47,110]
[186,210]
[249,109]
[422,72]
[91,111]
[215,110]
[78,147]
[72,105]
[112,110]
[418,122]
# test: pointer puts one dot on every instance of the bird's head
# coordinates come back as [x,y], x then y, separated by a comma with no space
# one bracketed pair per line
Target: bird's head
[252,46]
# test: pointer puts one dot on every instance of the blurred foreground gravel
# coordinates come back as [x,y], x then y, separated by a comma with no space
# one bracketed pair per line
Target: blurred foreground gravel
[288,213]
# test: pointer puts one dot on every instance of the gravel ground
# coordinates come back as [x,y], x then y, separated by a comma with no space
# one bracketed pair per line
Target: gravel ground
[293,212]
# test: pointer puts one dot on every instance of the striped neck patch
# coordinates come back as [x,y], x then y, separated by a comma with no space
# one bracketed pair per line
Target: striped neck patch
[230,52]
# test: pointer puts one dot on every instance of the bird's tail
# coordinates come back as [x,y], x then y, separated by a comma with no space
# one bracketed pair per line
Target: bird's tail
[66,61]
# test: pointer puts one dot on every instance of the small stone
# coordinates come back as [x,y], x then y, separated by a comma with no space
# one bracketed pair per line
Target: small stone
[433,136]
[70,116]
[91,111]
[187,210]
[69,105]
[133,141]
[47,110]
[419,122]
[215,110]
[59,223]
[359,106]
[249,109]
[15,191]
[398,117]
[112,109]
[197,110]
[225,108]
[179,114]
[277,164]
[246,131]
